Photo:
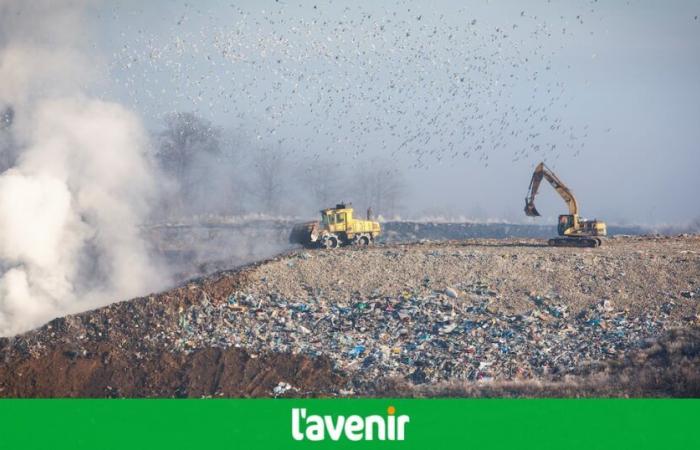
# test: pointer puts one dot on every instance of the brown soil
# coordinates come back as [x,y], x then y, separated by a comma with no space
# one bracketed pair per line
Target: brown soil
[208,372]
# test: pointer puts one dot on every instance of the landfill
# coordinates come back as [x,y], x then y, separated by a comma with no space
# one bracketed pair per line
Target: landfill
[473,312]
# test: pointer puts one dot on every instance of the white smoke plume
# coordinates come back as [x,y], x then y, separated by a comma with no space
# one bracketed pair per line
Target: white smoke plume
[79,184]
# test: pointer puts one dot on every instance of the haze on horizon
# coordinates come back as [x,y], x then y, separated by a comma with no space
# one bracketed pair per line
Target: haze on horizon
[461,98]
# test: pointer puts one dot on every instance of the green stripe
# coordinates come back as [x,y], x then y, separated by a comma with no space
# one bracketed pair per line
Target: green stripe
[266,423]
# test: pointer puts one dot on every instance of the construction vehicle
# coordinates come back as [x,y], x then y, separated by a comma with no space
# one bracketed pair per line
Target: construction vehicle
[337,227]
[573,230]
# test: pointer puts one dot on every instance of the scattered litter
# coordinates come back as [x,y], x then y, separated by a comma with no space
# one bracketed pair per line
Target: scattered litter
[281,388]
[356,351]
[451,293]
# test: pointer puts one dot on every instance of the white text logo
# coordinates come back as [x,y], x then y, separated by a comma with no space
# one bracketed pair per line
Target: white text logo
[355,428]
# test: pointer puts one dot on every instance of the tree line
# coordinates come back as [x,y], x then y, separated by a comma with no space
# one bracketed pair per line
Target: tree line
[213,171]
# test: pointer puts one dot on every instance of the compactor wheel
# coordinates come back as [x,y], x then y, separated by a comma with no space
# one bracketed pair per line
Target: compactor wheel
[330,241]
[361,240]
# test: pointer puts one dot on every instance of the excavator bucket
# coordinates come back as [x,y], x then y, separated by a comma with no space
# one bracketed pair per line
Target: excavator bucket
[530,209]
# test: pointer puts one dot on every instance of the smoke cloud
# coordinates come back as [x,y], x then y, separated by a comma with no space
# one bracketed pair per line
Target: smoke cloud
[78,183]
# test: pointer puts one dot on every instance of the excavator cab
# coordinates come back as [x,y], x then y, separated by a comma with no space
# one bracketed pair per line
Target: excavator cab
[566,222]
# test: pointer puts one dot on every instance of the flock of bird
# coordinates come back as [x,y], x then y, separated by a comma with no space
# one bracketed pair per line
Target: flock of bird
[345,81]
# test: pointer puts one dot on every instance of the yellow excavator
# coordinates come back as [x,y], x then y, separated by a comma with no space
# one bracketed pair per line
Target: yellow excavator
[573,230]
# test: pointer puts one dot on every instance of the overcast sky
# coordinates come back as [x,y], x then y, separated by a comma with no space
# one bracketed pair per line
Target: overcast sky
[463,97]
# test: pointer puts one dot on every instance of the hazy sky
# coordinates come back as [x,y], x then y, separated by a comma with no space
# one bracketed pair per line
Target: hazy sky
[463,97]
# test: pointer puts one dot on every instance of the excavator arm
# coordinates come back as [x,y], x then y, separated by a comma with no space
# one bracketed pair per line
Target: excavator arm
[542,171]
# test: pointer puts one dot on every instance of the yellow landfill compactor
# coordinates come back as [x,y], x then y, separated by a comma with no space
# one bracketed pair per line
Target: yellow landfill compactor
[573,230]
[337,227]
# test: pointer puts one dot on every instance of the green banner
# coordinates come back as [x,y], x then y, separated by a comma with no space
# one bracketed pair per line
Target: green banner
[373,423]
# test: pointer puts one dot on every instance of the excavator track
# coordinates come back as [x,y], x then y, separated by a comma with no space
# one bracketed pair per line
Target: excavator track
[580,242]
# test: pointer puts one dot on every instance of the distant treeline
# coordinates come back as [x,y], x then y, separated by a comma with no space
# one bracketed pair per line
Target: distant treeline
[209,170]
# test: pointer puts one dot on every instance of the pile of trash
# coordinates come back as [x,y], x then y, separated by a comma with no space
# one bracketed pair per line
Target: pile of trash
[459,333]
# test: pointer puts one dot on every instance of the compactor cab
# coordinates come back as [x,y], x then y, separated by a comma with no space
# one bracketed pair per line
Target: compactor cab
[336,220]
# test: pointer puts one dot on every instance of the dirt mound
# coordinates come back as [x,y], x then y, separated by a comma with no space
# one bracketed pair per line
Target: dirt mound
[207,372]
[485,317]
[199,247]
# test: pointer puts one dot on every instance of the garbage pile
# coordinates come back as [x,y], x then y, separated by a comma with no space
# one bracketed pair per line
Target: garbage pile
[457,333]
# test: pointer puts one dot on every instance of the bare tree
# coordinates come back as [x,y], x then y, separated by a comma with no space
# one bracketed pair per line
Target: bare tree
[269,183]
[379,186]
[322,182]
[185,150]
[185,137]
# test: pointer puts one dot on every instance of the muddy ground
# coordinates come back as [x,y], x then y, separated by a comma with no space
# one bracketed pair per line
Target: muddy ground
[508,317]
